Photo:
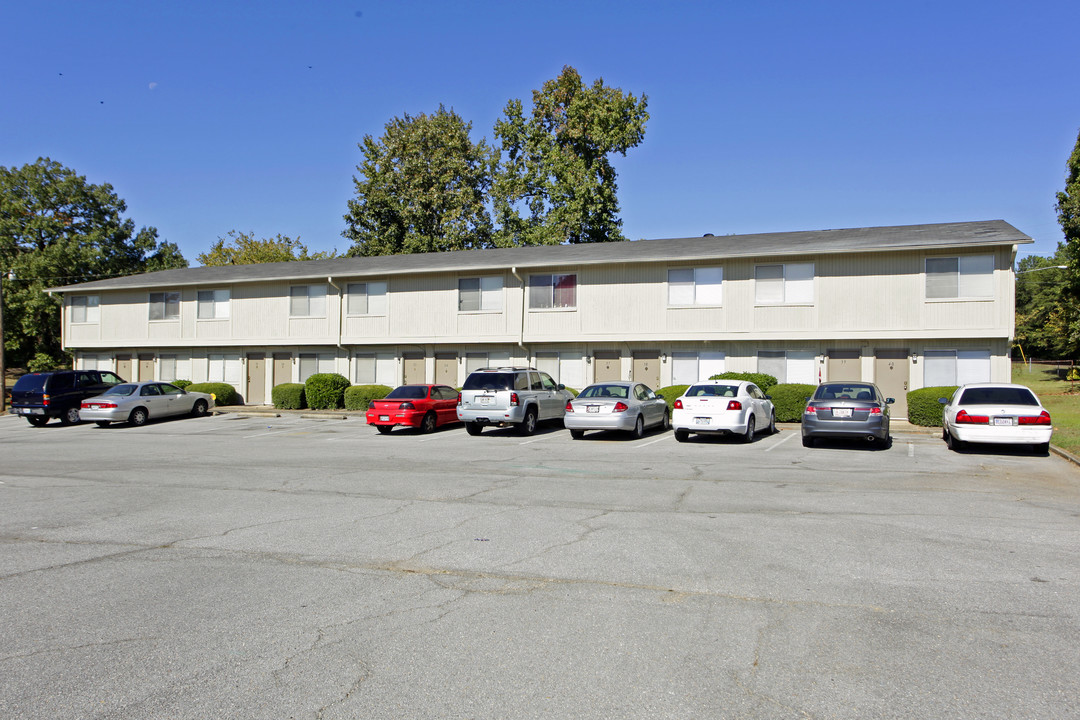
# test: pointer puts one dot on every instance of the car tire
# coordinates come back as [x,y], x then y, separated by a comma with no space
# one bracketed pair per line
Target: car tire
[70,416]
[528,425]
[199,408]
[101,423]
[138,417]
[807,441]
[1041,448]
[639,427]
[36,421]
[682,435]
[772,423]
[952,443]
[666,425]
[748,436]
[384,429]
[474,428]
[577,434]
[427,425]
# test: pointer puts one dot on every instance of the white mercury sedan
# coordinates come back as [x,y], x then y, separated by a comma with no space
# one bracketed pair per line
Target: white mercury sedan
[723,407]
[1000,413]
[136,403]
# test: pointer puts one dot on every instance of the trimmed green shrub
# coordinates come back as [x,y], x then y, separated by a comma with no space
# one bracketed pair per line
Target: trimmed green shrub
[326,391]
[923,407]
[288,396]
[181,383]
[571,390]
[358,397]
[789,400]
[671,392]
[763,381]
[224,393]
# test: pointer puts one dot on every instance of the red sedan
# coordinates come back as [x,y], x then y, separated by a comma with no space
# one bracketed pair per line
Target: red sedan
[422,406]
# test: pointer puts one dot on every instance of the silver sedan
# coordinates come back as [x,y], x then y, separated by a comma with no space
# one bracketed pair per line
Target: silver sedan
[627,406]
[138,402]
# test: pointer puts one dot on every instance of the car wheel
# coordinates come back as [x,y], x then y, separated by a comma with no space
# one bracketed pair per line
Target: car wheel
[101,423]
[1041,448]
[36,421]
[666,425]
[953,444]
[528,425]
[682,435]
[139,416]
[772,423]
[474,428]
[807,441]
[639,427]
[577,434]
[199,408]
[427,425]
[749,435]
[70,416]
[384,429]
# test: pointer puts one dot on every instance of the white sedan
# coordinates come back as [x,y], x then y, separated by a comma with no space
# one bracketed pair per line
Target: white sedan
[995,413]
[723,407]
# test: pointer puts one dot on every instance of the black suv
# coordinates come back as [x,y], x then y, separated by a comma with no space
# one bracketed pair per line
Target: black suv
[40,396]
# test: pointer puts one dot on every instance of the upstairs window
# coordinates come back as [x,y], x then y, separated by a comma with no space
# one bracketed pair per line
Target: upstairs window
[367,298]
[164,306]
[307,301]
[484,294]
[696,286]
[552,291]
[213,304]
[784,284]
[84,309]
[971,276]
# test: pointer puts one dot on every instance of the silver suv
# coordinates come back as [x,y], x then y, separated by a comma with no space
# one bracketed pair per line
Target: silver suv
[510,396]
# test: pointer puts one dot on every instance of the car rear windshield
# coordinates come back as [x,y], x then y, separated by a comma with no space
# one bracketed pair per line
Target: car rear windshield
[845,391]
[489,381]
[125,389]
[31,383]
[713,391]
[998,396]
[596,391]
[408,392]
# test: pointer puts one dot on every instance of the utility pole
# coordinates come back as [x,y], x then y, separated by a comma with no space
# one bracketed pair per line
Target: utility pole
[3,368]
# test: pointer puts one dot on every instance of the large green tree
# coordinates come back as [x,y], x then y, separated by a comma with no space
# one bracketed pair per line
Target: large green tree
[238,248]
[555,182]
[58,229]
[1043,312]
[1068,211]
[422,188]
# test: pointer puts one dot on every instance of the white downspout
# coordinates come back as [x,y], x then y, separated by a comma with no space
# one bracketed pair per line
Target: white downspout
[340,313]
[521,325]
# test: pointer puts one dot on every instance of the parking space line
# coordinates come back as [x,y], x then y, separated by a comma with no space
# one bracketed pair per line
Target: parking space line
[652,442]
[911,449]
[542,437]
[778,444]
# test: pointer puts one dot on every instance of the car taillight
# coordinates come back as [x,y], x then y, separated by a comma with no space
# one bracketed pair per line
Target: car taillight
[678,403]
[103,406]
[513,398]
[459,398]
[406,406]
[621,407]
[1042,419]
[810,410]
[875,411]
[45,400]
[569,406]
[734,405]
[963,417]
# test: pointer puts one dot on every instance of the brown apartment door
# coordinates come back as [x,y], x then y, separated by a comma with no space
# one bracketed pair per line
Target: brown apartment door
[844,365]
[123,367]
[256,379]
[446,369]
[282,369]
[146,367]
[414,368]
[647,367]
[607,366]
[891,376]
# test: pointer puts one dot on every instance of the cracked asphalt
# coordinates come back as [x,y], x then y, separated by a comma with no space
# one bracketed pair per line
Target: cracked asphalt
[232,567]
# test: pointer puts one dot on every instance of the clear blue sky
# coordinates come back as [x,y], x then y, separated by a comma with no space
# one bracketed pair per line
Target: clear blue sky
[765,116]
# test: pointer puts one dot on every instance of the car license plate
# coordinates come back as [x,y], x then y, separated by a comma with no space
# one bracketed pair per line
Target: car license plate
[592,408]
[841,412]
[485,399]
[384,418]
[1003,421]
[94,407]
[701,421]
[23,411]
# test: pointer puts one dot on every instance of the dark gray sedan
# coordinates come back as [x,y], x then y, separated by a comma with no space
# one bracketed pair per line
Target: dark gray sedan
[847,410]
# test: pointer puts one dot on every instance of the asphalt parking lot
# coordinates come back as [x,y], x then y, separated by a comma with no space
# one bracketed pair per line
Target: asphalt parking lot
[231,567]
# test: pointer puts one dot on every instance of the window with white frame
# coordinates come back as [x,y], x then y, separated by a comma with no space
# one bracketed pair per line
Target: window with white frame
[784,284]
[372,368]
[788,366]
[312,363]
[367,298]
[688,368]
[696,286]
[971,276]
[88,362]
[224,367]
[307,301]
[212,304]
[955,367]
[167,367]
[482,294]
[84,309]
[552,291]
[165,306]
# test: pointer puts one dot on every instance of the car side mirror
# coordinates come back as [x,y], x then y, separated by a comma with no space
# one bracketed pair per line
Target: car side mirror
[943,401]
[768,397]
[890,401]
[561,386]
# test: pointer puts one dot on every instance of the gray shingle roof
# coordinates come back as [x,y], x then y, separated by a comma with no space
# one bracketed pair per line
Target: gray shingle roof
[811,242]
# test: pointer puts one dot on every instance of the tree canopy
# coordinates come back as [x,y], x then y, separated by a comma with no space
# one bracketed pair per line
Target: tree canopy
[58,229]
[422,188]
[1043,312]
[238,248]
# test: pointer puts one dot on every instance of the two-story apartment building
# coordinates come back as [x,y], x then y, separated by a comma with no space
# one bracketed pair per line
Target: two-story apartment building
[906,307]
